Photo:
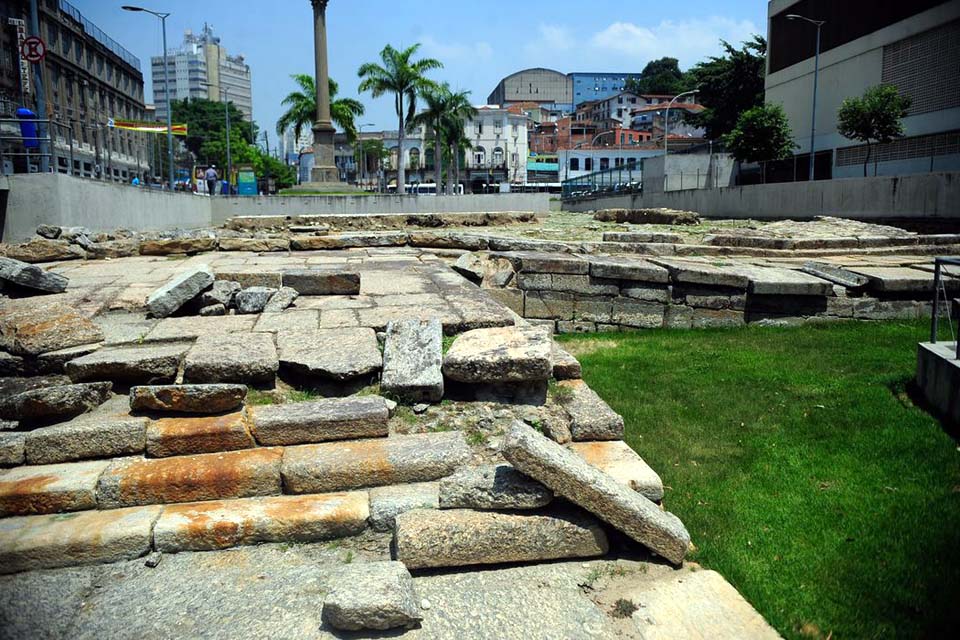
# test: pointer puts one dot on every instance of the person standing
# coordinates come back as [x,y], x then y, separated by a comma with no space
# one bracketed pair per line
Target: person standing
[211,176]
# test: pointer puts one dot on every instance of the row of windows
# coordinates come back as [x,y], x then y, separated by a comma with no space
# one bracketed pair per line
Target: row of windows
[96,64]
[631,163]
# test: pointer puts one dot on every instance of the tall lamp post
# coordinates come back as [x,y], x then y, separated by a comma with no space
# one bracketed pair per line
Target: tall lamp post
[166,81]
[363,164]
[816,73]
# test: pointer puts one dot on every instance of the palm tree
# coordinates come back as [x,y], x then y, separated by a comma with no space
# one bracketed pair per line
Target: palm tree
[459,110]
[405,79]
[302,108]
[437,100]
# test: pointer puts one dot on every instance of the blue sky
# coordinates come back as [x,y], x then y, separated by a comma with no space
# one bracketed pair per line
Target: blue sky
[478,42]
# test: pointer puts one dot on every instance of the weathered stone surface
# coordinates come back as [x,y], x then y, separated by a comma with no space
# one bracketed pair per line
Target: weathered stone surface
[220,524]
[590,417]
[291,320]
[647,293]
[412,359]
[660,215]
[178,291]
[210,476]
[254,244]
[212,310]
[492,487]
[337,354]
[565,366]
[221,292]
[471,266]
[503,354]
[386,502]
[372,595]
[89,436]
[902,280]
[545,262]
[322,282]
[170,246]
[784,282]
[188,398]
[252,277]
[320,420]
[691,272]
[642,237]
[570,476]
[283,298]
[628,269]
[337,466]
[11,449]
[619,461]
[10,365]
[837,275]
[582,284]
[190,327]
[42,250]
[636,313]
[29,330]
[184,436]
[49,541]
[32,277]
[249,358]
[460,537]
[50,488]
[56,361]
[49,231]
[253,299]
[113,249]
[349,241]
[59,401]
[145,364]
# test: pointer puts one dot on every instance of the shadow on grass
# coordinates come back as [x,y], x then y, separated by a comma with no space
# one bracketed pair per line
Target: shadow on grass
[910,396]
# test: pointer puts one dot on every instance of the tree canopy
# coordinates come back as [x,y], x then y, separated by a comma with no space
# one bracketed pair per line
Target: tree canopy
[729,85]
[761,134]
[876,116]
[662,77]
[302,108]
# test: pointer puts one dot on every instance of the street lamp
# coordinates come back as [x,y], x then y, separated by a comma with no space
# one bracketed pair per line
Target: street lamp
[166,81]
[226,112]
[816,73]
[363,164]
[666,124]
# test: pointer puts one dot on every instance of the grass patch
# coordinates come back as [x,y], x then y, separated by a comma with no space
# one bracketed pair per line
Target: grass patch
[256,397]
[559,393]
[447,343]
[803,471]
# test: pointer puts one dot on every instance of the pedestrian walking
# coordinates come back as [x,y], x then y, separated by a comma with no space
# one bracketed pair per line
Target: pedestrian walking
[211,176]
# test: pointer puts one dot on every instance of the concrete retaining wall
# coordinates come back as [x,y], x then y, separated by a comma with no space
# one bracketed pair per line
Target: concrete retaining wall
[938,376]
[224,208]
[916,196]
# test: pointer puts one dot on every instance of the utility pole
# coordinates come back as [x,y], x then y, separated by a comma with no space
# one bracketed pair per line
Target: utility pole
[816,74]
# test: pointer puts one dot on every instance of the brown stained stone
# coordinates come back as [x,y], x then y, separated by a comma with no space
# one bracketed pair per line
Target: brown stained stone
[42,250]
[619,461]
[29,330]
[188,398]
[322,282]
[211,476]
[220,524]
[504,354]
[50,488]
[177,245]
[254,244]
[193,435]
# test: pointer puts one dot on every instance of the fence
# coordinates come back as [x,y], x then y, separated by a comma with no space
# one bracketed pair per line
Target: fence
[627,178]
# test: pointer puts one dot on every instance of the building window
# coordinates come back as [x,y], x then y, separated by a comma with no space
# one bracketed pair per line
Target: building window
[618,162]
[498,156]
[588,164]
[574,164]
[604,164]
[479,156]
[478,127]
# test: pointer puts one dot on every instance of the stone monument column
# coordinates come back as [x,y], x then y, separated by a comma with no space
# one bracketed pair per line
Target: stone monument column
[324,167]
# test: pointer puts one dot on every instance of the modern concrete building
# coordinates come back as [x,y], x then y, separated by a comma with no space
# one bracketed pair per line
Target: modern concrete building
[202,68]
[89,81]
[540,86]
[597,86]
[914,46]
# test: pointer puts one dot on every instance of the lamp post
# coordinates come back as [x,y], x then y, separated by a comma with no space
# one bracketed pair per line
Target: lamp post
[816,73]
[363,164]
[666,123]
[166,81]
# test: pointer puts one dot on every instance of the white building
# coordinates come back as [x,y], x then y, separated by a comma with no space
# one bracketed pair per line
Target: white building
[202,68]
[575,163]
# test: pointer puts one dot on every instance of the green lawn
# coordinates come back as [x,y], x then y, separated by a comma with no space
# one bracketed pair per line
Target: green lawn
[802,469]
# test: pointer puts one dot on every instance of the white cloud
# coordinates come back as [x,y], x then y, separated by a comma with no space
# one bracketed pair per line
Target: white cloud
[455,51]
[689,41]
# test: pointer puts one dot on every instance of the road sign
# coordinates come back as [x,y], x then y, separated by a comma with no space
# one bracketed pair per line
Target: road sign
[33,49]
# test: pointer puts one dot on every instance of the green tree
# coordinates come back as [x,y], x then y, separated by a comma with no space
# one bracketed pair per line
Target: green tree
[661,77]
[302,108]
[206,121]
[729,85]
[436,100]
[459,111]
[762,134]
[875,116]
[405,79]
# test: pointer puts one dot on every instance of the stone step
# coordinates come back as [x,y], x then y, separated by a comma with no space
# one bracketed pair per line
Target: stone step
[412,357]
[427,538]
[50,488]
[183,436]
[220,524]
[503,354]
[249,358]
[340,466]
[620,462]
[188,398]
[590,417]
[133,364]
[320,420]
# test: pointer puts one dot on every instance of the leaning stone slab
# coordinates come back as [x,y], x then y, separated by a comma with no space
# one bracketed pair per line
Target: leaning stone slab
[335,354]
[184,436]
[188,398]
[253,299]
[42,327]
[179,291]
[322,282]
[11,449]
[389,501]
[320,420]
[503,354]
[248,358]
[372,595]
[50,488]
[89,436]
[55,402]
[93,537]
[572,477]
[32,277]
[492,487]
[211,476]
[784,282]
[339,466]
[461,537]
[412,358]
[692,272]
[619,461]
[144,364]
[590,417]
[220,524]
[836,275]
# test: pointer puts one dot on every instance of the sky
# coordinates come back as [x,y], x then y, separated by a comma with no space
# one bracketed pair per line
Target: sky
[478,42]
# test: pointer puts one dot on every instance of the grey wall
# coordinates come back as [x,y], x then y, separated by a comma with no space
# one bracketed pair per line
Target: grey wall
[927,195]
[687,171]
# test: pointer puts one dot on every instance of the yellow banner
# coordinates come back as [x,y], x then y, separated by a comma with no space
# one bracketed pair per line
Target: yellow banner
[146,127]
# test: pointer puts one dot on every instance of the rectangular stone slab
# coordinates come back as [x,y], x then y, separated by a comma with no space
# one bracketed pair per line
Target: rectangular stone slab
[386,502]
[148,363]
[321,468]
[504,354]
[87,436]
[91,537]
[50,488]
[188,398]
[210,476]
[574,478]
[412,359]
[179,290]
[590,417]
[320,420]
[322,282]
[43,327]
[220,524]
[334,354]
[784,282]
[250,358]
[619,461]
[628,269]
[459,537]
[690,272]
[183,436]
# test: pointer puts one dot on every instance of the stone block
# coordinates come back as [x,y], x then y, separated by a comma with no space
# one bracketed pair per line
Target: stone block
[333,354]
[133,364]
[43,250]
[634,269]
[584,284]
[632,313]
[836,275]
[492,487]
[544,262]
[55,402]
[188,398]
[179,290]
[784,282]
[590,417]
[192,327]
[389,501]
[253,299]
[320,420]
[691,272]
[50,488]
[647,293]
[322,282]
[221,292]
[89,436]
[565,366]
[372,595]
[548,305]
[620,462]
[12,452]
[30,276]
[703,318]
[283,298]
[633,237]
[249,358]
[184,436]
[259,245]
[506,354]
[252,278]
[412,359]
[510,298]
[40,327]
[173,246]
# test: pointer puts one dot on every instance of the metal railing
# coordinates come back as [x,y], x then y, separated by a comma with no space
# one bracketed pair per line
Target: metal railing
[938,288]
[97,34]
[627,178]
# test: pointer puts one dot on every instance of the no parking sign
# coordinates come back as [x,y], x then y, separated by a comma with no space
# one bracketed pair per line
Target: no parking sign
[33,49]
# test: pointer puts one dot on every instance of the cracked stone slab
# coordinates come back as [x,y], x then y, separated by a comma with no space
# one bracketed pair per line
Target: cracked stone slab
[336,354]
[503,354]
[249,358]
[179,290]
[145,364]
[373,595]
[320,420]
[412,359]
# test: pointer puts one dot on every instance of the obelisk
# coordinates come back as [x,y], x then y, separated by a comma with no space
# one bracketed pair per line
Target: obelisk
[324,166]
